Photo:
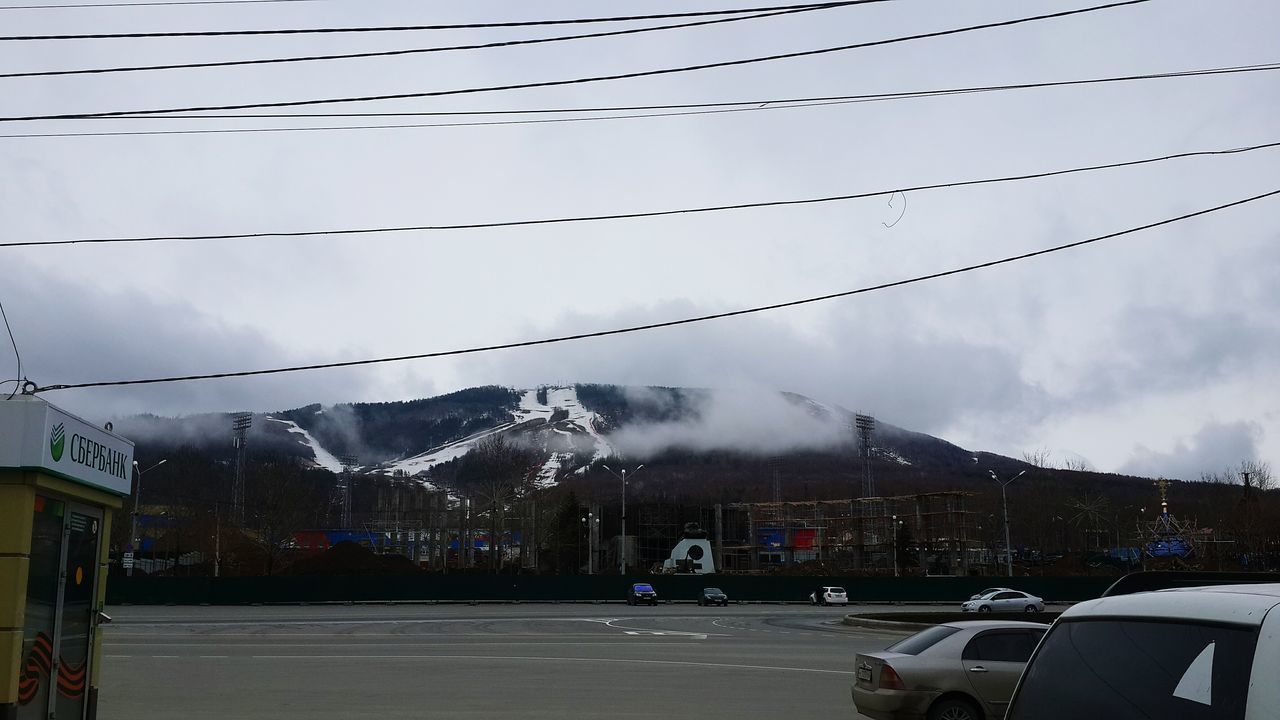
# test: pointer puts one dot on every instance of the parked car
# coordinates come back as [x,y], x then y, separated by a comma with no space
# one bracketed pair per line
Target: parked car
[642,593]
[988,591]
[713,596]
[1196,653]
[829,595]
[1004,601]
[956,671]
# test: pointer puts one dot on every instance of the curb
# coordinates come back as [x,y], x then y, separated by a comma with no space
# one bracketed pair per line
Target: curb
[856,621]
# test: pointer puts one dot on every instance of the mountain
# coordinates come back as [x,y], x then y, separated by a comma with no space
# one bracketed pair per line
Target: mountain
[687,435]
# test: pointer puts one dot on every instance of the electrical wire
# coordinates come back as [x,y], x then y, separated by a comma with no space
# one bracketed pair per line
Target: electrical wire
[669,323]
[729,103]
[598,78]
[147,4]
[410,28]
[712,108]
[17,355]
[643,214]
[408,51]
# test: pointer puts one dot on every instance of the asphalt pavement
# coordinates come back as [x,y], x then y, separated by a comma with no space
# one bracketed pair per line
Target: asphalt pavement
[560,661]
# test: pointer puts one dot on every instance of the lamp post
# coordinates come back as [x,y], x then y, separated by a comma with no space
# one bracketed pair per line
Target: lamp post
[622,551]
[133,525]
[1004,500]
[895,546]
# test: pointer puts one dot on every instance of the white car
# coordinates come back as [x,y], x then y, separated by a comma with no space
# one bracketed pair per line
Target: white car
[1198,652]
[1004,601]
[829,595]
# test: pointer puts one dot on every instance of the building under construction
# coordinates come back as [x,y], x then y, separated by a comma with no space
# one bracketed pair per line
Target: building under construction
[928,533]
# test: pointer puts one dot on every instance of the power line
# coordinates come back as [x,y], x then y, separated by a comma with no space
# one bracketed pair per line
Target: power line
[147,4]
[17,355]
[598,78]
[668,323]
[711,108]
[643,214]
[410,28]
[730,103]
[411,51]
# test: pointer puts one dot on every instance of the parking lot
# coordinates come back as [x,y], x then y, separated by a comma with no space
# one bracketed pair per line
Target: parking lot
[484,661]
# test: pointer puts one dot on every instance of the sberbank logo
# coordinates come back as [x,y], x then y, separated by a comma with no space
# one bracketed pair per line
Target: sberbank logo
[57,442]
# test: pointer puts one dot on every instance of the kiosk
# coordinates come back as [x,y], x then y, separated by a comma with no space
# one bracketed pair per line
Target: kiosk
[60,478]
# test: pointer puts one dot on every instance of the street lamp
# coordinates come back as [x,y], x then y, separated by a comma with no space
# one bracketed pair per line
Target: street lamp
[622,562]
[895,545]
[1008,549]
[133,526]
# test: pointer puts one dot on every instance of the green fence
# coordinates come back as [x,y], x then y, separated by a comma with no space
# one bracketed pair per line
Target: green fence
[467,588]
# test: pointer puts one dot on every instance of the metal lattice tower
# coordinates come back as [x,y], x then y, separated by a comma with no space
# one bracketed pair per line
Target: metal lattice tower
[349,464]
[775,464]
[240,424]
[866,425]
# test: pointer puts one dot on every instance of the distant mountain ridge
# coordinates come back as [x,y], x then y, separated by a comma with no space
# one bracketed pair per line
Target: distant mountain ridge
[572,426]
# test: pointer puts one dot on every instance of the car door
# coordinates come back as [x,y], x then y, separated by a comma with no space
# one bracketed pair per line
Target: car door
[993,661]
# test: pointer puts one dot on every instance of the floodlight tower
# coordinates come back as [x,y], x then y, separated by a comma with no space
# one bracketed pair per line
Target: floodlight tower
[866,426]
[240,424]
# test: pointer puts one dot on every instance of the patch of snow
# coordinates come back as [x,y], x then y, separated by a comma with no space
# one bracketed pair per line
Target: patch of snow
[442,454]
[547,473]
[324,458]
[891,455]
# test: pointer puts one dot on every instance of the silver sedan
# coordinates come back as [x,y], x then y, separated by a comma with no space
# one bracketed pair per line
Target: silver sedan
[956,671]
[1004,600]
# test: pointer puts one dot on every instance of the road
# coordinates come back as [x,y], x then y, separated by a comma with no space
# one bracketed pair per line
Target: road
[488,661]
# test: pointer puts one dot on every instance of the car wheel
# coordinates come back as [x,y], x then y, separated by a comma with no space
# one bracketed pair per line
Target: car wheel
[954,709]
[984,608]
[1031,609]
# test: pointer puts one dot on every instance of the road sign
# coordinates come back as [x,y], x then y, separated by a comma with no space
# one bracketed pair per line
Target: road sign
[127,561]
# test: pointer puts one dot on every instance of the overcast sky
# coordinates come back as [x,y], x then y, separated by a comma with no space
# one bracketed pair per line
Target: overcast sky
[1152,353]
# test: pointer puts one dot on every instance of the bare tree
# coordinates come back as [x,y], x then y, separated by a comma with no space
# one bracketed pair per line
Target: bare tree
[493,474]
[1256,474]
[285,499]
[1038,457]
[1077,464]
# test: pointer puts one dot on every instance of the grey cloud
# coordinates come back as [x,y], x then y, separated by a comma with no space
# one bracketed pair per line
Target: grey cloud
[752,420]
[70,333]
[861,358]
[1214,446]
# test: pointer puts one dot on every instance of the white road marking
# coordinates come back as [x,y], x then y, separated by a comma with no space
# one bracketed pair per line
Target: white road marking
[633,630]
[772,668]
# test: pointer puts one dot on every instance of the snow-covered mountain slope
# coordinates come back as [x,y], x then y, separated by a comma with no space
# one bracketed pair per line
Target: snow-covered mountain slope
[560,426]
[323,458]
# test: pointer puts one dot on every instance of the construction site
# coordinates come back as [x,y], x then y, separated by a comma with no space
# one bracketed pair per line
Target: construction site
[930,533]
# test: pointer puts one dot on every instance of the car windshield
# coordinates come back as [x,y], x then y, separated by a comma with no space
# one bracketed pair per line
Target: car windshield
[923,640]
[643,588]
[712,591]
[837,591]
[1136,670]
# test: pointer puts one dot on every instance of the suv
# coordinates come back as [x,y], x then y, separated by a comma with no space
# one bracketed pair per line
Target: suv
[829,595]
[642,593]
[1197,653]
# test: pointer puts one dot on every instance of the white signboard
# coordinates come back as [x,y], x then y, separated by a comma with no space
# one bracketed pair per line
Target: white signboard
[35,435]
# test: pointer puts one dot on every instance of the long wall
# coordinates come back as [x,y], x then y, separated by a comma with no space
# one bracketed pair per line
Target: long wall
[465,588]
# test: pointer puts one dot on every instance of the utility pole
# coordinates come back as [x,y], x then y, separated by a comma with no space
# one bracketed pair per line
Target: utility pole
[134,545]
[1004,500]
[622,550]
